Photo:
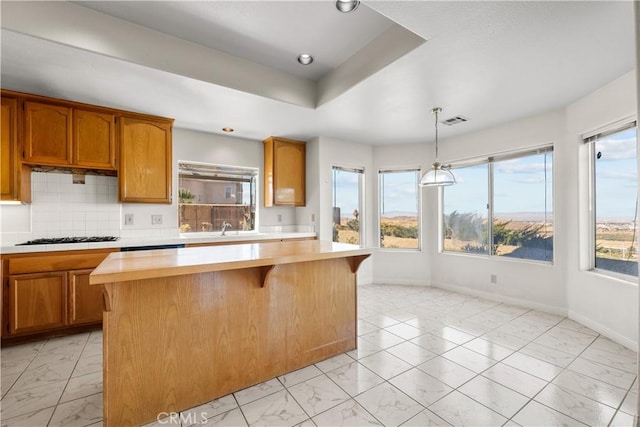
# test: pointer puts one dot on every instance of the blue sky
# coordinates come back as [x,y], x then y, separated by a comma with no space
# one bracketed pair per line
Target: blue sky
[616,176]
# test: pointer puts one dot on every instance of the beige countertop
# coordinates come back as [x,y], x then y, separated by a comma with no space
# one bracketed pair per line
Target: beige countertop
[199,238]
[124,266]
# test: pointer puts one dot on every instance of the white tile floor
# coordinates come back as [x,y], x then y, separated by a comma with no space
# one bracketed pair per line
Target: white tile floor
[425,357]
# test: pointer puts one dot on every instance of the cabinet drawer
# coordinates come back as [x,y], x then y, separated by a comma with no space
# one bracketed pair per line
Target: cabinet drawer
[34,264]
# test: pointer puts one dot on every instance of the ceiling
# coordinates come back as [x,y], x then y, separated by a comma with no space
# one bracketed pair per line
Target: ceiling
[216,64]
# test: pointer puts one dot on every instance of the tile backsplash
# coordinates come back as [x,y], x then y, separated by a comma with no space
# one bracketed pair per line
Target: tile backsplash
[61,208]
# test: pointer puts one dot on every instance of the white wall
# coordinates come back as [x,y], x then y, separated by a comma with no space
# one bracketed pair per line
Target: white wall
[397,266]
[323,153]
[603,303]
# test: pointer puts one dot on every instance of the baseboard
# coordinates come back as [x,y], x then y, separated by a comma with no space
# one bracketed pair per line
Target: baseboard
[396,281]
[502,298]
[601,329]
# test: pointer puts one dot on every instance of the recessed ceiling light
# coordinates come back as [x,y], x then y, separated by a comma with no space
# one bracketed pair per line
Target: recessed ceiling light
[228,130]
[305,59]
[346,6]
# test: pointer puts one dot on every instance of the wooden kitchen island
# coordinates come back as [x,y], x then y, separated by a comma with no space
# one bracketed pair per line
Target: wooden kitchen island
[186,326]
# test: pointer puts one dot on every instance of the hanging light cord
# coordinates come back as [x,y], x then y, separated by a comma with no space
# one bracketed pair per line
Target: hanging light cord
[436,111]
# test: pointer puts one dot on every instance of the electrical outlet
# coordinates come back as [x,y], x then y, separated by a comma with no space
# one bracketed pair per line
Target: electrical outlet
[156,219]
[494,279]
[128,219]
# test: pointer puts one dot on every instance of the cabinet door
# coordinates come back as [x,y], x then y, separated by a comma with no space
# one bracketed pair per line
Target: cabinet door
[289,173]
[8,153]
[85,301]
[94,139]
[37,302]
[47,134]
[144,173]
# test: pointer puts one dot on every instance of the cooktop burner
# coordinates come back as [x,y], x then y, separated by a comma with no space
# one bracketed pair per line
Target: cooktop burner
[56,240]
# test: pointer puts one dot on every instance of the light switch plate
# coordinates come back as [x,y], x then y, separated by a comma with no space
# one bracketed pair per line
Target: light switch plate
[156,219]
[128,219]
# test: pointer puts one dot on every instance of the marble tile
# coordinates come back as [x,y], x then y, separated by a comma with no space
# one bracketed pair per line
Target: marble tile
[91,350]
[411,353]
[421,387]
[302,375]
[533,366]
[470,327]
[7,381]
[31,400]
[354,378]
[365,348]
[523,329]
[547,354]
[40,417]
[318,394]
[258,391]
[209,410]
[591,388]
[604,373]
[404,331]
[306,423]
[365,327]
[495,396]
[389,405]
[447,371]
[542,317]
[604,343]
[381,321]
[83,386]
[426,418]
[515,379]
[451,334]
[622,420]
[505,340]
[401,314]
[43,374]
[426,323]
[575,326]
[382,338]
[536,414]
[79,412]
[565,340]
[469,359]
[349,413]
[488,349]
[576,406]
[433,343]
[65,345]
[88,365]
[630,403]
[385,364]
[278,409]
[615,360]
[334,362]
[233,418]
[460,410]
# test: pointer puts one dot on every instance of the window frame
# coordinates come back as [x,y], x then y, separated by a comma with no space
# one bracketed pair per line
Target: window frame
[590,140]
[361,197]
[419,172]
[490,161]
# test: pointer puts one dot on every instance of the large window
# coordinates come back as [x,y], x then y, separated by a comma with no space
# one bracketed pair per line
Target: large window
[212,195]
[516,192]
[399,209]
[614,200]
[347,205]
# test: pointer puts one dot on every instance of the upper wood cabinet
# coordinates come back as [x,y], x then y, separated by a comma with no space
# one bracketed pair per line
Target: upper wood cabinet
[15,181]
[47,134]
[94,139]
[145,160]
[285,170]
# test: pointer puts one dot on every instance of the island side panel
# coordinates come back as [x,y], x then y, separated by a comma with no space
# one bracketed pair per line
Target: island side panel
[177,342]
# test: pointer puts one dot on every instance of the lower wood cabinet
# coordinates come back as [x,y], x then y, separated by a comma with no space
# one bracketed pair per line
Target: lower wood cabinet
[37,302]
[50,292]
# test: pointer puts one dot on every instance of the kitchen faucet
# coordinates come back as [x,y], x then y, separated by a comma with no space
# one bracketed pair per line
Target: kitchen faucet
[225,226]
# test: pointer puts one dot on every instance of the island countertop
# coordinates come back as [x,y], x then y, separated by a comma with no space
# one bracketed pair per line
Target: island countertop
[126,266]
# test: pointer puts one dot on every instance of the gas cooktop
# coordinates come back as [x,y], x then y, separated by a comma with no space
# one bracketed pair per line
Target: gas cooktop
[56,240]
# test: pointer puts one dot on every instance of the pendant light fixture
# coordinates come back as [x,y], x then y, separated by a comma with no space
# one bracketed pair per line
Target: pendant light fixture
[439,175]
